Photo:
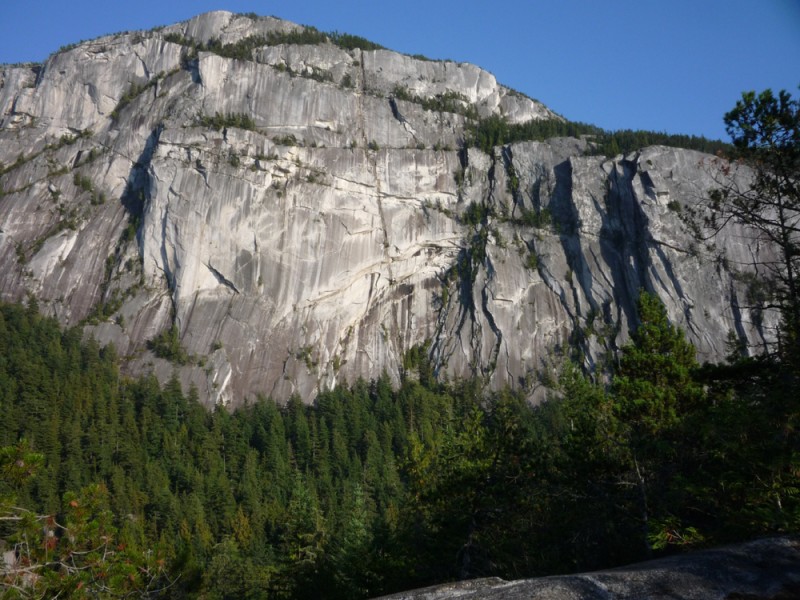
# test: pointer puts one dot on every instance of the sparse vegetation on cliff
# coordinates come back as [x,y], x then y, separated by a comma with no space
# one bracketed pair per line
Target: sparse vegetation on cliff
[306,35]
[134,91]
[450,101]
[494,131]
[220,121]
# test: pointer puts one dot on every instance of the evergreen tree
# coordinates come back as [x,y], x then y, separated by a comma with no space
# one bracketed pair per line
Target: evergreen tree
[655,392]
[765,130]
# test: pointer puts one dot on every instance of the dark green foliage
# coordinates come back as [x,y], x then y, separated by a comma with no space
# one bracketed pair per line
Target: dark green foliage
[167,345]
[749,477]
[243,49]
[493,131]
[347,41]
[134,222]
[625,141]
[176,38]
[21,160]
[82,182]
[302,36]
[286,140]
[240,50]
[655,392]
[82,554]
[290,502]
[449,101]
[755,418]
[475,214]
[65,140]
[372,490]
[609,476]
[490,132]
[401,92]
[136,90]
[654,380]
[532,261]
[20,252]
[418,359]
[468,518]
[68,140]
[220,121]
[537,218]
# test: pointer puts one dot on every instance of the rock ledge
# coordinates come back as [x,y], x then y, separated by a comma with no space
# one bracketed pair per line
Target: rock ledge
[759,570]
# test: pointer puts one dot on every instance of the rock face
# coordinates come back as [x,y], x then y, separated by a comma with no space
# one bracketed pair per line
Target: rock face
[333,220]
[762,570]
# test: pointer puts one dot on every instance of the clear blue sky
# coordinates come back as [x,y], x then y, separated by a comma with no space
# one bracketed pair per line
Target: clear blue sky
[665,65]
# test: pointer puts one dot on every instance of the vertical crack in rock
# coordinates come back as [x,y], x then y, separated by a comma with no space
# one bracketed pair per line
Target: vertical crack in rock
[612,249]
[487,367]
[739,321]
[489,275]
[360,92]
[165,261]
[191,64]
[477,265]
[440,351]
[490,320]
[378,196]
[675,284]
[372,157]
[507,156]
[201,169]
[401,119]
[144,65]
[222,279]
[633,259]
[396,111]
[475,275]
[582,281]
[136,196]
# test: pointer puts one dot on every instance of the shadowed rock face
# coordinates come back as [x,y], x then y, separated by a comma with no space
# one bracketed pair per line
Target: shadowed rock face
[334,232]
[762,570]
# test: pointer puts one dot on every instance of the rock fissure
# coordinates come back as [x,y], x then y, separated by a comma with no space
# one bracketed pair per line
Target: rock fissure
[222,279]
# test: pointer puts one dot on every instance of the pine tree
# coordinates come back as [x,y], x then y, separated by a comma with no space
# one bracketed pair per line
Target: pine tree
[654,392]
[765,130]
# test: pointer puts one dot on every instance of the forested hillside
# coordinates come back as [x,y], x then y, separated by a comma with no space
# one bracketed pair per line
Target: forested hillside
[371,489]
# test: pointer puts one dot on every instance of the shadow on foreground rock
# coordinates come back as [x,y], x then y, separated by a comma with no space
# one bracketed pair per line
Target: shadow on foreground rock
[767,569]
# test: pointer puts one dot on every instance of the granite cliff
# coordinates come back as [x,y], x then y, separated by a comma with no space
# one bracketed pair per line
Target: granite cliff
[277,217]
